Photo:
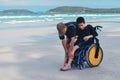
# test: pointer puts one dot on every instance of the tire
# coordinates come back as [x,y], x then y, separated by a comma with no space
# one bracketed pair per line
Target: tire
[90,56]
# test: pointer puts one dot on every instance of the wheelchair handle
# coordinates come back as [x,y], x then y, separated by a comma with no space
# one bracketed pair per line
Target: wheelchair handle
[98,27]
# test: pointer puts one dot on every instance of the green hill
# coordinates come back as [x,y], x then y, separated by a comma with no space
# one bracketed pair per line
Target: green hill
[70,9]
[16,11]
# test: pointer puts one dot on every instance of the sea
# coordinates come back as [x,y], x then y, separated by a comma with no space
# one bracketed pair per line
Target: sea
[26,18]
[110,22]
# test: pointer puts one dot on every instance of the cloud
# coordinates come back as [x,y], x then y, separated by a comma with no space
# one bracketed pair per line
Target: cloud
[33,2]
[13,2]
[44,2]
[84,3]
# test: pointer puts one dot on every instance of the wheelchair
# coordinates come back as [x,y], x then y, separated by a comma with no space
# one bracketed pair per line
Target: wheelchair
[91,54]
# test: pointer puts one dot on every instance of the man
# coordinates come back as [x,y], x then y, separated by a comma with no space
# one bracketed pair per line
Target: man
[67,35]
[86,34]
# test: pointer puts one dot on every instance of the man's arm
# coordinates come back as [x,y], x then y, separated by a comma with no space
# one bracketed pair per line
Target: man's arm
[72,43]
[64,43]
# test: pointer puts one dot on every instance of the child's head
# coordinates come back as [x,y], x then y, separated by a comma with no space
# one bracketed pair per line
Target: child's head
[61,27]
[81,22]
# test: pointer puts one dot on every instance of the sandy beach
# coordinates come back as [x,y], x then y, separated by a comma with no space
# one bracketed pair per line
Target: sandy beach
[35,54]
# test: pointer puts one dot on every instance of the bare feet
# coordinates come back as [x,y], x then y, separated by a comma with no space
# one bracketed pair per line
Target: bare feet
[66,67]
[62,67]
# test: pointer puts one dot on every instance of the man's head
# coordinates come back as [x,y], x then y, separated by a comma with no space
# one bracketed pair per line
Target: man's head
[61,27]
[81,22]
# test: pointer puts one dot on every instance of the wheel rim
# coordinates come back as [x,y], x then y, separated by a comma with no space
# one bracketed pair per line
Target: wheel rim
[91,56]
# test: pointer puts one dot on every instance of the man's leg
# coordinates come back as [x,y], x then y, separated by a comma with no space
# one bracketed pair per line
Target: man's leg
[65,60]
[66,56]
[71,56]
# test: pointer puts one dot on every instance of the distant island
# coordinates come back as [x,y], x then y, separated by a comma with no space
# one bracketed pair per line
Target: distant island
[64,9]
[70,9]
[17,11]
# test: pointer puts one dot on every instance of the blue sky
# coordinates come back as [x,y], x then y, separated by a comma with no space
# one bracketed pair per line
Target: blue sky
[43,5]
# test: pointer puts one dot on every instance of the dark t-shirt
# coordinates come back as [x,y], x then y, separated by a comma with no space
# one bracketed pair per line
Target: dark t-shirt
[89,30]
[71,29]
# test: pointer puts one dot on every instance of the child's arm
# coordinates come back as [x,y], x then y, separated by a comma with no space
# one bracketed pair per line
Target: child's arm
[86,38]
[92,33]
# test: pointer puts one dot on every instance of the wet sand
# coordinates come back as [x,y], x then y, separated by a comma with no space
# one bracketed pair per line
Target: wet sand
[41,59]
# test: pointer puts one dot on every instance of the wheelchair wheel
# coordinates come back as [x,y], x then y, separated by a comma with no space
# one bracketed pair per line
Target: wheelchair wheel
[90,56]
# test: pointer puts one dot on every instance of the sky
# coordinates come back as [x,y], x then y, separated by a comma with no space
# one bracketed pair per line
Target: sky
[44,5]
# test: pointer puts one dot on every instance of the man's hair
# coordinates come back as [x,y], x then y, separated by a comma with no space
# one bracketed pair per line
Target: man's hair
[60,27]
[80,20]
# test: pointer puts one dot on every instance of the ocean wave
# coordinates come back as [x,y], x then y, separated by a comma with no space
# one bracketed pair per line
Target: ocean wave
[51,17]
[5,17]
[87,15]
[57,15]
[27,21]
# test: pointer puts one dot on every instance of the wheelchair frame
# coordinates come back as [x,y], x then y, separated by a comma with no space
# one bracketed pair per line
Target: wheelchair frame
[85,55]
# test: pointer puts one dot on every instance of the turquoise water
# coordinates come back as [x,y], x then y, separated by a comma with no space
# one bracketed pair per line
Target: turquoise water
[9,24]
[109,21]
[26,18]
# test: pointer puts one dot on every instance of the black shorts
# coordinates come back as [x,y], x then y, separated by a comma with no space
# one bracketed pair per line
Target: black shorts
[83,43]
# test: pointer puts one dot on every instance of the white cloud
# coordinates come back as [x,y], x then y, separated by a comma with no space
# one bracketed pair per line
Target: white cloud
[39,2]
[87,3]
[13,2]
[32,2]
